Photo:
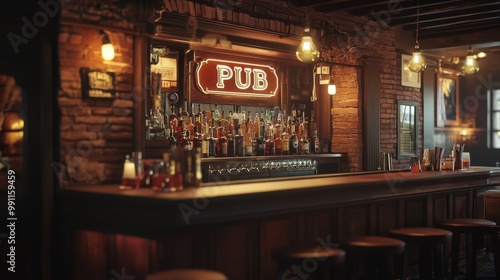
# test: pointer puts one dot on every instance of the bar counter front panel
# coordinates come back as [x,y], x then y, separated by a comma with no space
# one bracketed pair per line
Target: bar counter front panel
[233,227]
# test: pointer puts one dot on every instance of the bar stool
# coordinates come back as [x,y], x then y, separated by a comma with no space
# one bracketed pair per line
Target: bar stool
[187,274]
[374,253]
[316,262]
[433,246]
[474,229]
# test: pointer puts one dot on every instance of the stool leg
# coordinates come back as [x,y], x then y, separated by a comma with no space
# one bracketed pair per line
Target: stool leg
[425,262]
[389,267]
[440,258]
[496,252]
[471,256]
[455,245]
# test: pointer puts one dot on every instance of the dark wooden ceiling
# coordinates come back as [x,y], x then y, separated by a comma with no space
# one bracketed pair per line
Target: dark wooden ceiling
[436,17]
[442,23]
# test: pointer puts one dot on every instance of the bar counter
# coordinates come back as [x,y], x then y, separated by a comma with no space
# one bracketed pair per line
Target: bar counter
[148,211]
[233,227]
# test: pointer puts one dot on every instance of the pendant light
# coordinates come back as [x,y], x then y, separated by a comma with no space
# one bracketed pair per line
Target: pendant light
[307,51]
[107,49]
[417,61]
[470,66]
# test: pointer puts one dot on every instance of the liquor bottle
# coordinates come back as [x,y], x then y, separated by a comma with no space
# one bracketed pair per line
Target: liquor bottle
[270,148]
[172,119]
[285,141]
[180,130]
[182,141]
[197,139]
[315,143]
[278,141]
[312,125]
[230,145]
[294,141]
[249,151]
[261,141]
[212,141]
[189,126]
[239,143]
[184,115]
[235,119]
[198,119]
[256,126]
[171,138]
[216,116]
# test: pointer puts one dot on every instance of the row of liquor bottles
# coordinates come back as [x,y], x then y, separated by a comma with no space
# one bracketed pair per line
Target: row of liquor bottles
[243,133]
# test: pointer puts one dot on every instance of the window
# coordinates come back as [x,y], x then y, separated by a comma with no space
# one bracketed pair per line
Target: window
[494,120]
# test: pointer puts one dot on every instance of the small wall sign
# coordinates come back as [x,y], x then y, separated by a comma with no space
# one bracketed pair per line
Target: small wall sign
[97,83]
[216,76]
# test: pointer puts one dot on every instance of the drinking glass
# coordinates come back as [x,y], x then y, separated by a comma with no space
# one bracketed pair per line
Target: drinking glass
[466,159]
[415,164]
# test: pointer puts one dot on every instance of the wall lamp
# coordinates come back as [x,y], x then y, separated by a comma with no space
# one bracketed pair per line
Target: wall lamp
[107,49]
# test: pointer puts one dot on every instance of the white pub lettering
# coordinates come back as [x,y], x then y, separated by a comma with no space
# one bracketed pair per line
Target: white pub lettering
[225,73]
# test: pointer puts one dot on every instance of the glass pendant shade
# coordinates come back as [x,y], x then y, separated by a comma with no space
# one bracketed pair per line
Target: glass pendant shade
[307,50]
[471,66]
[417,62]
[107,49]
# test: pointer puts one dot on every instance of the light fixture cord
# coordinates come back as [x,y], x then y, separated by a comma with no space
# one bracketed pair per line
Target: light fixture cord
[416,31]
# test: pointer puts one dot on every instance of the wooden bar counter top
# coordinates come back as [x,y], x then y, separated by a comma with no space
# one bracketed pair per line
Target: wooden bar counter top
[233,227]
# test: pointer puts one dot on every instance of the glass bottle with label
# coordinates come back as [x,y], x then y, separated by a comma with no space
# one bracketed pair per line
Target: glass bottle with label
[285,138]
[212,141]
[294,141]
[249,151]
[230,145]
[261,141]
[239,143]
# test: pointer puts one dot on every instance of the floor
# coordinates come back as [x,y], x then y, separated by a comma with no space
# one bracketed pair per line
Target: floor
[485,269]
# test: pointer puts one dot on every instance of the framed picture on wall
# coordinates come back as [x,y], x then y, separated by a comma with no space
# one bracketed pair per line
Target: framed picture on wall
[409,78]
[447,106]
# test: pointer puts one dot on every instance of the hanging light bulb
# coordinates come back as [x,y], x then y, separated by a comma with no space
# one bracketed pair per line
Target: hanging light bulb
[470,66]
[307,50]
[417,61]
[107,49]
[332,88]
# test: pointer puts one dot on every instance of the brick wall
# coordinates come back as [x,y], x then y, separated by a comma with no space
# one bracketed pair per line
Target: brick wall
[97,135]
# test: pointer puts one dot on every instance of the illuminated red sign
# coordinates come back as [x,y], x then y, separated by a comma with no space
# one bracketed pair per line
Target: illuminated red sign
[215,76]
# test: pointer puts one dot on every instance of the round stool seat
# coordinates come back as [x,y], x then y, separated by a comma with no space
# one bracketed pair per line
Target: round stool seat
[296,254]
[187,274]
[422,235]
[371,257]
[474,230]
[320,263]
[466,225]
[374,245]
[432,247]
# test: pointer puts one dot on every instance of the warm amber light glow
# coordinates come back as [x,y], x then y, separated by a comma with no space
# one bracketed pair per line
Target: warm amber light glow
[471,66]
[332,89]
[307,50]
[417,62]
[108,51]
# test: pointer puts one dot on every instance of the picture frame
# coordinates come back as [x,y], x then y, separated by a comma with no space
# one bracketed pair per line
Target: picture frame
[409,78]
[447,99]
[407,129]
[97,84]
